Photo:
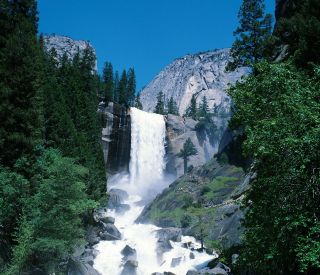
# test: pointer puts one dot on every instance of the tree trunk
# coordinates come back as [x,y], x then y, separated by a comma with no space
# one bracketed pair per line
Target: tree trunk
[185,164]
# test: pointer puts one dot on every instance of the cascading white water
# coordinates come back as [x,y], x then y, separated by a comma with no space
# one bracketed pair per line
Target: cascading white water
[147,150]
[146,179]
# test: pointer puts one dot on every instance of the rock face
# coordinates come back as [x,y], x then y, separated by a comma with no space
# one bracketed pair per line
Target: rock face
[179,129]
[209,197]
[201,74]
[116,137]
[66,45]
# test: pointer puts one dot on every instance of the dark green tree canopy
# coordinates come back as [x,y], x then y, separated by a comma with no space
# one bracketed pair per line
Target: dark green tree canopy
[187,151]
[172,107]
[160,107]
[108,81]
[192,110]
[252,35]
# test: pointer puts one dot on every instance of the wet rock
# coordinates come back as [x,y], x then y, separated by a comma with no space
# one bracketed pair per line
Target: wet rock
[78,268]
[176,261]
[169,273]
[108,220]
[234,258]
[112,230]
[223,266]
[157,273]
[129,253]
[116,137]
[108,237]
[92,236]
[78,251]
[169,233]
[165,235]
[88,260]
[123,195]
[191,256]
[214,271]
[130,268]
[121,208]
[192,272]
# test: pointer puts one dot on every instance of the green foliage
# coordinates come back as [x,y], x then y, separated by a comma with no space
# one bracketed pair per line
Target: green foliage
[186,220]
[300,29]
[192,110]
[108,82]
[131,88]
[252,34]
[20,98]
[172,107]
[21,252]
[14,190]
[51,225]
[278,108]
[122,88]
[160,107]
[187,151]
[55,210]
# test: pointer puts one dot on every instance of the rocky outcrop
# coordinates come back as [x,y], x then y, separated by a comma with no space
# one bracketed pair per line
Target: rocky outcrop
[201,74]
[66,45]
[207,198]
[179,129]
[116,137]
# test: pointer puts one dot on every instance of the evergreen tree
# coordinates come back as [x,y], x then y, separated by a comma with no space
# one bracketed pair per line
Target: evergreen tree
[192,110]
[116,95]
[252,34]
[122,89]
[159,109]
[131,87]
[187,151]
[20,92]
[203,110]
[172,107]
[108,82]
[138,103]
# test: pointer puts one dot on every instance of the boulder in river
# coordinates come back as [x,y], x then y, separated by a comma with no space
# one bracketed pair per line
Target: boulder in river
[175,261]
[112,230]
[165,235]
[129,253]
[130,268]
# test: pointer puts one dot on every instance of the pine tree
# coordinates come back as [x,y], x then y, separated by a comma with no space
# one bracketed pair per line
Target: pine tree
[192,109]
[203,110]
[172,107]
[116,95]
[187,151]
[122,89]
[20,91]
[159,109]
[252,34]
[108,82]
[131,87]
[138,103]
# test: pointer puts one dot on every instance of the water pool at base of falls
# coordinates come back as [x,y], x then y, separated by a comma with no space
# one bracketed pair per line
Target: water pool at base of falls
[146,179]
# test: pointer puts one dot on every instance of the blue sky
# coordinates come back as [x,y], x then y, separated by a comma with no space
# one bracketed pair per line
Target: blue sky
[144,34]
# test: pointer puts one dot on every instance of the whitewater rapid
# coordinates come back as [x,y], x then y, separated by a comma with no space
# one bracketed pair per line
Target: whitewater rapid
[146,179]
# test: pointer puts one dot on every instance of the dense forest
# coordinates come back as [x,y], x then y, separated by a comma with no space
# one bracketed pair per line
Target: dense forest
[52,172]
[278,109]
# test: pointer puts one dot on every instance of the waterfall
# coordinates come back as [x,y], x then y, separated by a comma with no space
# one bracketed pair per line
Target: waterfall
[147,151]
[146,179]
